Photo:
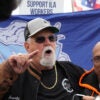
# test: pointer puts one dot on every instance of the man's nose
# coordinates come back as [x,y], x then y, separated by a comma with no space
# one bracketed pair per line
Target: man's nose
[47,41]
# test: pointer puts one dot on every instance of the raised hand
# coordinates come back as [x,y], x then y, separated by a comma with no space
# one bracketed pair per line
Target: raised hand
[20,62]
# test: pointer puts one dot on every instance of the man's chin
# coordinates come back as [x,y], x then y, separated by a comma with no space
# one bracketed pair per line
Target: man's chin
[47,63]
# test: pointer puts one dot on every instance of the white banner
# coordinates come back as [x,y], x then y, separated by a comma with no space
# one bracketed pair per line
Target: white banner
[33,7]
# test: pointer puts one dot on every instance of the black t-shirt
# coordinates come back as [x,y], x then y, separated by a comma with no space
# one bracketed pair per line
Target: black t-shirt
[62,89]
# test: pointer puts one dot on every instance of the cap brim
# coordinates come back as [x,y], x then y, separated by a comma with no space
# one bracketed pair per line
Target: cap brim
[53,29]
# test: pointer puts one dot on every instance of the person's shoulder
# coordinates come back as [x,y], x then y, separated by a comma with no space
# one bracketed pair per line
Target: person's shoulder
[71,66]
[67,63]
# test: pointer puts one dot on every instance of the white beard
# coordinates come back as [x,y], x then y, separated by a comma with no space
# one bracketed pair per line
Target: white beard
[48,60]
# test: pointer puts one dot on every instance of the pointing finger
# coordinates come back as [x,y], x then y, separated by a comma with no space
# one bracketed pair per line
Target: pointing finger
[30,55]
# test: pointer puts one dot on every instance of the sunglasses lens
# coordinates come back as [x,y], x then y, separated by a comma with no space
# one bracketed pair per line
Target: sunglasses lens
[52,38]
[40,39]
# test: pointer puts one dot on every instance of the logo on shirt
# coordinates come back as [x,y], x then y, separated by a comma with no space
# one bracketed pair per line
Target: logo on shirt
[13,98]
[67,86]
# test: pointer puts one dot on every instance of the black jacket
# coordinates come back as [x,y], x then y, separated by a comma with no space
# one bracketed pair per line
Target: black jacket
[26,87]
[89,82]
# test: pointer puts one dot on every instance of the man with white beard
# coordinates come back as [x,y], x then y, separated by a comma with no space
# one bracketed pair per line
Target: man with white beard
[44,78]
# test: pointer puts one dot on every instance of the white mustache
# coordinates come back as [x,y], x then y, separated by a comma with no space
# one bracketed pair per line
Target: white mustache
[48,48]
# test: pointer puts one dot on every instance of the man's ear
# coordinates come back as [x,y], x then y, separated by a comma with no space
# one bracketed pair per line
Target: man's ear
[26,45]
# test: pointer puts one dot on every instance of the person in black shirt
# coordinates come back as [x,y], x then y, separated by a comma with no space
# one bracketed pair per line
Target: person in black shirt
[38,75]
[45,78]
[90,80]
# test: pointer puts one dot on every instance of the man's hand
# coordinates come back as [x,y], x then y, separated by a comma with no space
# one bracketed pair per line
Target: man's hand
[20,62]
[88,98]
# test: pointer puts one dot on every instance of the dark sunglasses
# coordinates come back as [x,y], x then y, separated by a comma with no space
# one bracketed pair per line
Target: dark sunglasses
[41,39]
[96,59]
